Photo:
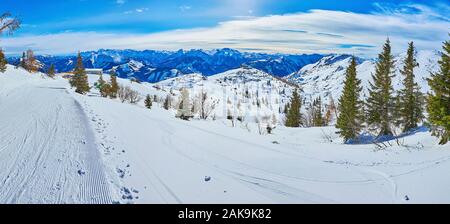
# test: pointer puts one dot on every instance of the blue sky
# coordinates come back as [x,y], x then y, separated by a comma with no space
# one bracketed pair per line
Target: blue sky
[262,25]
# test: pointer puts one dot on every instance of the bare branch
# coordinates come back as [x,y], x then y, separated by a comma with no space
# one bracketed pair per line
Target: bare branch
[8,24]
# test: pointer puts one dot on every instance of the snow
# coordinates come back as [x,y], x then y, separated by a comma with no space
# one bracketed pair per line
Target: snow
[62,147]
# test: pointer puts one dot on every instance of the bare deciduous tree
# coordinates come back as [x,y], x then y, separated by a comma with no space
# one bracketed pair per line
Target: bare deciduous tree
[8,23]
[127,94]
[206,105]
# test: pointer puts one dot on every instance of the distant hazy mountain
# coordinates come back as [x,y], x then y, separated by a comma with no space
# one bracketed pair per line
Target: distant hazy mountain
[154,66]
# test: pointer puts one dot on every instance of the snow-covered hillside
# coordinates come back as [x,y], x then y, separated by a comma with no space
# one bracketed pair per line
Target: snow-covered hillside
[326,77]
[246,94]
[62,147]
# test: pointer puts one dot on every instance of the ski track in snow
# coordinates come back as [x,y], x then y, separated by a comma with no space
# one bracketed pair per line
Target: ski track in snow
[273,185]
[47,153]
[202,155]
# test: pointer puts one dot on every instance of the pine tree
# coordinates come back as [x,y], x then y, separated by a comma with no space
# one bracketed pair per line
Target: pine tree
[3,61]
[114,85]
[410,98]
[318,120]
[100,82]
[51,71]
[439,100]
[102,86]
[22,63]
[148,102]
[79,79]
[106,90]
[293,117]
[380,100]
[350,113]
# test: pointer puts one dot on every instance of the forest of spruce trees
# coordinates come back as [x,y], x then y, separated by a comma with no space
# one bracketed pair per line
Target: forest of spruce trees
[387,112]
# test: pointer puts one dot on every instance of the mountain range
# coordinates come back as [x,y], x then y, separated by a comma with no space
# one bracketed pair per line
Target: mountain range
[323,78]
[154,66]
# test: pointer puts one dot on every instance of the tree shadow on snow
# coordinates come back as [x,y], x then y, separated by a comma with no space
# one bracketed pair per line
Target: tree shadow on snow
[368,138]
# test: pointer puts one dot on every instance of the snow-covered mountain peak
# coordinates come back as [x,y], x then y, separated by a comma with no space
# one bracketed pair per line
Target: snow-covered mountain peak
[241,74]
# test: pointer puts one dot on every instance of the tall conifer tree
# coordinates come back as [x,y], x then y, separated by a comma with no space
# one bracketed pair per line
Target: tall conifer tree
[439,100]
[318,119]
[114,88]
[410,100]
[22,63]
[51,71]
[148,101]
[293,117]
[380,101]
[79,79]
[350,118]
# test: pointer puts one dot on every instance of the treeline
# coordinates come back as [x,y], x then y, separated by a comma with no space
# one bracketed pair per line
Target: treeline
[28,62]
[384,109]
[317,115]
[107,89]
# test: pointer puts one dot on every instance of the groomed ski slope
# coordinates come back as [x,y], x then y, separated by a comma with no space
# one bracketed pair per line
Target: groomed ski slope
[134,155]
[47,150]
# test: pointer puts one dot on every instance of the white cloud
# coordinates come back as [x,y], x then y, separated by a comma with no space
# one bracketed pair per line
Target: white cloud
[184,8]
[120,2]
[317,31]
[141,10]
[138,10]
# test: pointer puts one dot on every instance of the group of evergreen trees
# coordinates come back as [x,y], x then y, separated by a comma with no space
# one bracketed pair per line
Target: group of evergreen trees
[108,89]
[385,110]
[29,62]
[317,119]
[315,116]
